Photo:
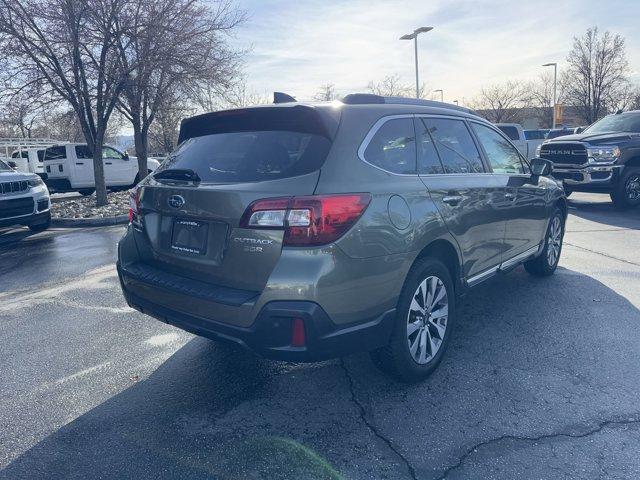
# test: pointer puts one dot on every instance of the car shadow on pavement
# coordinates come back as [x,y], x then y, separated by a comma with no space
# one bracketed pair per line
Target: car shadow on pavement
[605,213]
[527,359]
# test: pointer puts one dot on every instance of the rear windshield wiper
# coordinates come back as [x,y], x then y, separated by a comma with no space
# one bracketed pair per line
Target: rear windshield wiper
[183,174]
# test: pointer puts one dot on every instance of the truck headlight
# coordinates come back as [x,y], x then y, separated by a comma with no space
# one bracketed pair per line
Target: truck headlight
[538,149]
[604,154]
[35,182]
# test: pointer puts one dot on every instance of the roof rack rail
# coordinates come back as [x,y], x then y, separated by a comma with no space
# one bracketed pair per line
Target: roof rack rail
[370,98]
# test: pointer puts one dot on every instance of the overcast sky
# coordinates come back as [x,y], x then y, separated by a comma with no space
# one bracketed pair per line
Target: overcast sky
[296,46]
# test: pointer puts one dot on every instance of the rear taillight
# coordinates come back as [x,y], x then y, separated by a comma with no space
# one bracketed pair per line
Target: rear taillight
[134,204]
[307,221]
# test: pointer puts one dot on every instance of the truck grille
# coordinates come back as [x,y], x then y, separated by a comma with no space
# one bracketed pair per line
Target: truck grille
[15,207]
[564,153]
[14,187]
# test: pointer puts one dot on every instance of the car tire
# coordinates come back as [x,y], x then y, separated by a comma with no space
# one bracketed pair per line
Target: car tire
[547,262]
[40,227]
[85,192]
[422,327]
[627,191]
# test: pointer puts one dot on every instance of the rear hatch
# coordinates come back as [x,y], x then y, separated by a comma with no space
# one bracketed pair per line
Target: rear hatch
[190,209]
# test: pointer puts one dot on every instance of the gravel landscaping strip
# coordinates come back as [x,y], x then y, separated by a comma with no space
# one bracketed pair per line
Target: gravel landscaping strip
[85,207]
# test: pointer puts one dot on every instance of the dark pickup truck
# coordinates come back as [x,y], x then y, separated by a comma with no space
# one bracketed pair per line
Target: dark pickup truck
[604,158]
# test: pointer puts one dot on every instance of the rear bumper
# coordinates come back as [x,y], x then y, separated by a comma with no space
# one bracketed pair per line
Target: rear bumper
[270,334]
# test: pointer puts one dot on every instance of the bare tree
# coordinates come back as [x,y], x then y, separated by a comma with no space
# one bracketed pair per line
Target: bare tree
[540,99]
[163,133]
[392,86]
[596,79]
[326,93]
[172,44]
[70,45]
[501,103]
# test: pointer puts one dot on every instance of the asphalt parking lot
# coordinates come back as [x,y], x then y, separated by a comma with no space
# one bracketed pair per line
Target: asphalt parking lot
[542,379]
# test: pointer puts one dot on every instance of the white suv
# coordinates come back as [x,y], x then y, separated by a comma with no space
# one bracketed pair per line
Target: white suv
[24,199]
[69,168]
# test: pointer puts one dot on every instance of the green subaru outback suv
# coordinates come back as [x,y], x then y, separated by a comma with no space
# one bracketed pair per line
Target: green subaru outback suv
[310,231]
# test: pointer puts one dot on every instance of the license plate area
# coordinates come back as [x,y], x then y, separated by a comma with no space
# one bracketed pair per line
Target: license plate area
[189,236]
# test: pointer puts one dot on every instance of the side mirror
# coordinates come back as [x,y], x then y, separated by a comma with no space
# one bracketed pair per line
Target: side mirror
[125,156]
[540,167]
[13,165]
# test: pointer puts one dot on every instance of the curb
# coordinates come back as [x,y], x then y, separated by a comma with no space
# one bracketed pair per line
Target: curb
[89,222]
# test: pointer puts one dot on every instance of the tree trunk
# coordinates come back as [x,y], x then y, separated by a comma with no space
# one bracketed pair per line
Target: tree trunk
[141,144]
[98,172]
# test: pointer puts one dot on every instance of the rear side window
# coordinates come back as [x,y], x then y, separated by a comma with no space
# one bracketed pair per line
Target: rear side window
[453,141]
[510,132]
[83,152]
[250,156]
[534,134]
[55,153]
[393,147]
[428,160]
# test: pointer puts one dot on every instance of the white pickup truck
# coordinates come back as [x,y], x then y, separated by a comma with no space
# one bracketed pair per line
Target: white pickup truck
[516,134]
[69,168]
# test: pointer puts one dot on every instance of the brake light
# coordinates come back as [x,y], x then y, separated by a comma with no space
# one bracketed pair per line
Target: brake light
[298,337]
[307,221]
[134,204]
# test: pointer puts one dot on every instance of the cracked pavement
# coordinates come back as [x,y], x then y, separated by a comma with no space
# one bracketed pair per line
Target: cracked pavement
[541,379]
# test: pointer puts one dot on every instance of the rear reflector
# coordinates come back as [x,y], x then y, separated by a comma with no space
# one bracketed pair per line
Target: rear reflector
[298,338]
[307,221]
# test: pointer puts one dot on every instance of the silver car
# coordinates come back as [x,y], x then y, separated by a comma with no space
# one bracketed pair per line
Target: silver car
[310,231]
[24,199]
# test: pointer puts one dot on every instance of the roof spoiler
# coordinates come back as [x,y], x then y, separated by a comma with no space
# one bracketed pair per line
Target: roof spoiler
[279,97]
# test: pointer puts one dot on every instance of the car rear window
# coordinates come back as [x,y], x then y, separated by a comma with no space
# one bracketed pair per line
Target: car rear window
[250,156]
[253,144]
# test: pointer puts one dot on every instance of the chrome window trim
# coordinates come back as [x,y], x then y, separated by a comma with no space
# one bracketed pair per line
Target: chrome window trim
[472,134]
[373,130]
[501,133]
[381,121]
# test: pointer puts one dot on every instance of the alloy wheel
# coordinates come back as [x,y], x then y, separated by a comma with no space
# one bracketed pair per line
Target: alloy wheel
[427,319]
[554,241]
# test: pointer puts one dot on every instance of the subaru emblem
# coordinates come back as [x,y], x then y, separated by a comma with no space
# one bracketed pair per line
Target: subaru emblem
[175,201]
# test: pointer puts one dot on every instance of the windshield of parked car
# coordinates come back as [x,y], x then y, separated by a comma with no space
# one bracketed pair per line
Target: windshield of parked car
[623,122]
[4,167]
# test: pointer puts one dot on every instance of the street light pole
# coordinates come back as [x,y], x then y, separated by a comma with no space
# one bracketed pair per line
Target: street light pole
[414,36]
[441,94]
[555,86]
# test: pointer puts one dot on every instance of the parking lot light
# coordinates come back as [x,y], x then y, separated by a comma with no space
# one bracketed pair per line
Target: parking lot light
[414,36]
[555,83]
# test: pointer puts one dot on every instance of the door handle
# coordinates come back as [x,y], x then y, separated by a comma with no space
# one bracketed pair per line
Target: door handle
[510,196]
[452,199]
[108,163]
[79,163]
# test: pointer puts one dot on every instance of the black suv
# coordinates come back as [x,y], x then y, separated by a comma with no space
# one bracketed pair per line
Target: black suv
[604,158]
